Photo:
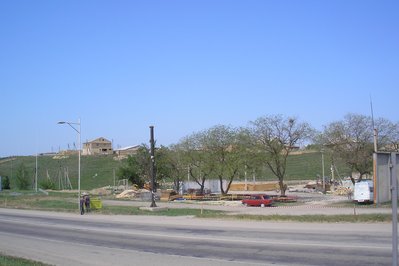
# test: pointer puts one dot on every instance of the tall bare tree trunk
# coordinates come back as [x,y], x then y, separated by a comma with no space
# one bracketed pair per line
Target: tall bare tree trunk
[283,187]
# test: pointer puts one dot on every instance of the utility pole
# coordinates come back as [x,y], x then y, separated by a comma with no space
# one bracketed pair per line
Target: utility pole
[322,169]
[375,139]
[394,198]
[152,166]
[36,174]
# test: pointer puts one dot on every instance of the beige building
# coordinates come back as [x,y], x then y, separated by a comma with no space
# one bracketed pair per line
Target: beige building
[100,146]
[130,150]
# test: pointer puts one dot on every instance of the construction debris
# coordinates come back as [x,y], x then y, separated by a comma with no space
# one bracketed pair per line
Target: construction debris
[342,191]
[284,198]
[127,194]
[132,193]
[103,191]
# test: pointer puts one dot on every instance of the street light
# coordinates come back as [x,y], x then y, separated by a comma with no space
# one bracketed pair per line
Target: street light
[80,147]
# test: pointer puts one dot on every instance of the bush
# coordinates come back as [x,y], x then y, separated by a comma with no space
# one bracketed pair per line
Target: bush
[47,184]
[6,183]
[132,171]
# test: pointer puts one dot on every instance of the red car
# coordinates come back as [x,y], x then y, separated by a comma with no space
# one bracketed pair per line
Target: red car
[258,200]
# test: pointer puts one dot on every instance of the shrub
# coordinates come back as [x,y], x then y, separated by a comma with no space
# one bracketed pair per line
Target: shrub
[22,176]
[47,184]
[6,183]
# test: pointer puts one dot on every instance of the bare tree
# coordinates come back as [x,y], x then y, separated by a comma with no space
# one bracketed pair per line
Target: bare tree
[388,134]
[351,139]
[275,136]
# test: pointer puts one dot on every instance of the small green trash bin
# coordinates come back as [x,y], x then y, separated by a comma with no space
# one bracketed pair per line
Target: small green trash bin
[96,204]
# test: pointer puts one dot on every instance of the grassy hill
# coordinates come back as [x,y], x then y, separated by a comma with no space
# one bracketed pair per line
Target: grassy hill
[309,165]
[98,171]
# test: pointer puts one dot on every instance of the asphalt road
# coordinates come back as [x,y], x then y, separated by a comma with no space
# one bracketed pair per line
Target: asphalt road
[70,239]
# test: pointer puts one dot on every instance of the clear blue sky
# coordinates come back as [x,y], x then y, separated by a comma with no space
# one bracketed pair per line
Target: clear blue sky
[184,66]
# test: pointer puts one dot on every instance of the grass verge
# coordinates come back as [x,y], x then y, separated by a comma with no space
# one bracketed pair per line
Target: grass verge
[362,218]
[15,261]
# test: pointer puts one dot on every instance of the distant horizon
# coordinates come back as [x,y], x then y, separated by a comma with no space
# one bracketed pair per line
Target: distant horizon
[68,146]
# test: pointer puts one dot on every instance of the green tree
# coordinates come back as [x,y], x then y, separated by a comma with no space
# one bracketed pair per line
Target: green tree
[6,183]
[131,171]
[223,146]
[170,165]
[137,167]
[274,137]
[195,158]
[22,177]
[251,159]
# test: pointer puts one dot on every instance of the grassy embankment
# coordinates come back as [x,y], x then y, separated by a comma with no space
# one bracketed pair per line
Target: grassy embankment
[98,171]
[15,261]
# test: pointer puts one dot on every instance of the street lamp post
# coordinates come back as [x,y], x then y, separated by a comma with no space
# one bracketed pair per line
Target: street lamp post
[80,147]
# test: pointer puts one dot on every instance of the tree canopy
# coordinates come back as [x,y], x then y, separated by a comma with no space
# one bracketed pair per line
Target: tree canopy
[227,153]
[351,139]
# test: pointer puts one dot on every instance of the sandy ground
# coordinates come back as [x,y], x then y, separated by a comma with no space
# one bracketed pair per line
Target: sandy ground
[308,203]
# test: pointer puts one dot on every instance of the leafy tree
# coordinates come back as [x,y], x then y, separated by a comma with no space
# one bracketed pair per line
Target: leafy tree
[274,137]
[170,165]
[22,177]
[222,144]
[137,167]
[200,165]
[250,158]
[131,171]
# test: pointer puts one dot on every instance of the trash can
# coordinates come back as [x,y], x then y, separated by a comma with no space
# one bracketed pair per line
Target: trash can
[95,204]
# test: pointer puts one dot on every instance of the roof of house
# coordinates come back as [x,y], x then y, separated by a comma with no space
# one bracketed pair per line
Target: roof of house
[128,148]
[100,139]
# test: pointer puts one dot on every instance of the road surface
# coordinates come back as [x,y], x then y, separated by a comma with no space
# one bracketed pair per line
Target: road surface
[70,239]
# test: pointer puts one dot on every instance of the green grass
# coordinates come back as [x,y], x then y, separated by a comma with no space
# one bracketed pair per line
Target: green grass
[363,218]
[167,212]
[97,171]
[351,204]
[15,261]
[64,202]
[307,166]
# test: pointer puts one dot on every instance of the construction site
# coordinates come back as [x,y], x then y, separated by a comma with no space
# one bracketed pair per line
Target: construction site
[309,193]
